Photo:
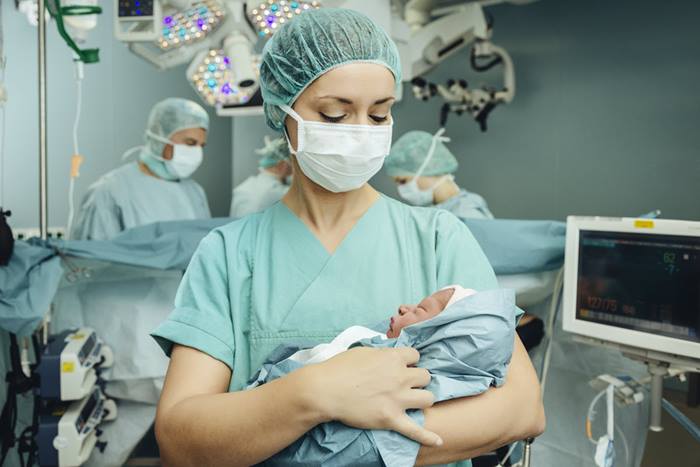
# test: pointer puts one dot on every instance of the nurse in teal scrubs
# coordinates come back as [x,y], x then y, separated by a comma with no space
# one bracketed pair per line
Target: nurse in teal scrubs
[332,254]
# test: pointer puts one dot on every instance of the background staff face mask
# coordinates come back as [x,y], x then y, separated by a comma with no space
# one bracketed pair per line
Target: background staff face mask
[410,191]
[185,161]
[412,194]
[339,157]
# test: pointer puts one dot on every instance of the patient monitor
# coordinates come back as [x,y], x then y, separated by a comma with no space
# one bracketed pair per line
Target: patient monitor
[634,285]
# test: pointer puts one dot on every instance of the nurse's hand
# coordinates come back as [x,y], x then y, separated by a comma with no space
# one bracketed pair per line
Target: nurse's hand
[372,389]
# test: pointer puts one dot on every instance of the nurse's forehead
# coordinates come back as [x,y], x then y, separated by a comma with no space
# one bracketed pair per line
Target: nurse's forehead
[355,82]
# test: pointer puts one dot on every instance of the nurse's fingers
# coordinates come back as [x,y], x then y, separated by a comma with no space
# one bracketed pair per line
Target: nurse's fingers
[408,355]
[406,426]
[417,377]
[417,399]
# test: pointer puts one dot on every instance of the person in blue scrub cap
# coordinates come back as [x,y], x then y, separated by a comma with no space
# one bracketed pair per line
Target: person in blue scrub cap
[260,191]
[157,186]
[333,253]
[422,167]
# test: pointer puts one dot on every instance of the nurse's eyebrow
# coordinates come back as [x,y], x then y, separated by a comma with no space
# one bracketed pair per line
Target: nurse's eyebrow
[345,100]
[386,99]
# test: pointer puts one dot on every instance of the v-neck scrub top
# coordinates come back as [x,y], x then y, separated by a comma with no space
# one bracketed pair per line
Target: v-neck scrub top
[265,279]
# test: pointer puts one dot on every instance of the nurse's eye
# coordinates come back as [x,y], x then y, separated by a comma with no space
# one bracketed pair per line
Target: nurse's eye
[379,119]
[332,119]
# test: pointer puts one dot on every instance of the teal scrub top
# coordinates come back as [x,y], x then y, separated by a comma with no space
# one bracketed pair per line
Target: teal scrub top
[265,279]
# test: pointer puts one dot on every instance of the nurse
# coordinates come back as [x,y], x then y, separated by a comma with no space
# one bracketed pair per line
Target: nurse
[333,253]
[157,186]
[269,185]
[423,168]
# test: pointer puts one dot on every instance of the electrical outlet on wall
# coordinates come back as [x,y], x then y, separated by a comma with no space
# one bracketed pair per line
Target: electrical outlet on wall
[27,233]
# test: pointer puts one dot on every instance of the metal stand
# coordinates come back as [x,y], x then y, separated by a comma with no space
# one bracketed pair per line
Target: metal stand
[657,371]
[527,452]
[43,185]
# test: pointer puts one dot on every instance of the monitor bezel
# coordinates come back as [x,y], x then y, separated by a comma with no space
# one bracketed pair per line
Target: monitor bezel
[618,335]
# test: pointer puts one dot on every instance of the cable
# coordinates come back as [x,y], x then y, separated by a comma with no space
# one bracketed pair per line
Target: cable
[682,419]
[624,444]
[503,461]
[2,154]
[76,158]
[2,128]
[553,310]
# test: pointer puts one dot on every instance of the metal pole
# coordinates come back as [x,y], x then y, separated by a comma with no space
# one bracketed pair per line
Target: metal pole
[657,371]
[43,199]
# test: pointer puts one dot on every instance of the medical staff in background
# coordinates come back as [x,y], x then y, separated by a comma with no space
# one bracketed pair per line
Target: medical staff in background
[423,168]
[333,254]
[269,185]
[157,186]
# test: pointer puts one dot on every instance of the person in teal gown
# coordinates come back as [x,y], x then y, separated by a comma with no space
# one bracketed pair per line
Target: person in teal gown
[333,253]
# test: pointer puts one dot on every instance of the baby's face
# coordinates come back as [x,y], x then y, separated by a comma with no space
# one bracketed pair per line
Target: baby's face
[428,308]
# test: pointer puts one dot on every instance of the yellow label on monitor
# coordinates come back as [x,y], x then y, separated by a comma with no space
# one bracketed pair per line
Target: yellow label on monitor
[68,367]
[77,336]
[644,224]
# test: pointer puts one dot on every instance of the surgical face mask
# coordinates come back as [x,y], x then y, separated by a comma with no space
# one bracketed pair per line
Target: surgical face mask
[185,161]
[340,157]
[412,194]
[410,191]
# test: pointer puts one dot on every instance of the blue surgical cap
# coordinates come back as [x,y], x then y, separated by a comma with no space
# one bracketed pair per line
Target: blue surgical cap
[314,43]
[170,116]
[275,151]
[409,152]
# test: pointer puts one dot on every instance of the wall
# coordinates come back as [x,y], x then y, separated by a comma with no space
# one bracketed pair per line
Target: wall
[605,120]
[118,94]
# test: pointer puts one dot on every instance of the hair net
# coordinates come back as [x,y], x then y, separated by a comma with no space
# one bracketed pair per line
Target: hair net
[275,151]
[312,44]
[409,153]
[170,116]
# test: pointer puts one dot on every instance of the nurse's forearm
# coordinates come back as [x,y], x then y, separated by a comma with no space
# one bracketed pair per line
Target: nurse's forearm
[238,428]
[474,425]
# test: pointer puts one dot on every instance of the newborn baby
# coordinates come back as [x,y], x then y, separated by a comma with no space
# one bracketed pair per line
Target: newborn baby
[465,340]
[428,308]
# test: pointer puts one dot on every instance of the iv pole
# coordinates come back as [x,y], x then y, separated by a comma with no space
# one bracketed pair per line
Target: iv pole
[43,185]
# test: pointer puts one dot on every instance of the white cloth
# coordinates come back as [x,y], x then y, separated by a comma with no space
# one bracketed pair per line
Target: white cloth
[126,197]
[257,193]
[341,343]
[459,293]
[345,339]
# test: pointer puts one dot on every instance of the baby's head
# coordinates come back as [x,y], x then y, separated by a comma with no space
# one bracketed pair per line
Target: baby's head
[428,308]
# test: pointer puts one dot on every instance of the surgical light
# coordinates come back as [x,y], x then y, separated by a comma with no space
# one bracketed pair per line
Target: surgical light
[212,76]
[270,15]
[190,25]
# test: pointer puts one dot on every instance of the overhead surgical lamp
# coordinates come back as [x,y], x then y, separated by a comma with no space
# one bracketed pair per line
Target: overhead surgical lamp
[191,25]
[270,15]
[212,76]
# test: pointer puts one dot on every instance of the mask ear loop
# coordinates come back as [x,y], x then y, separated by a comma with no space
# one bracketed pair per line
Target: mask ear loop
[433,145]
[162,140]
[300,127]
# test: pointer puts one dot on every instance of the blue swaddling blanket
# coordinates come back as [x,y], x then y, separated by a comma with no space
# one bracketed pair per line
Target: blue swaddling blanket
[466,348]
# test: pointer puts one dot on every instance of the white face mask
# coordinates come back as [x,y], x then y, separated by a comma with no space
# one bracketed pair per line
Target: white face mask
[412,194]
[185,161]
[340,157]
[410,191]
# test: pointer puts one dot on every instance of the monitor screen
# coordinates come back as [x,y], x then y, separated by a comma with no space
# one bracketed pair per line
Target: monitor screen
[648,283]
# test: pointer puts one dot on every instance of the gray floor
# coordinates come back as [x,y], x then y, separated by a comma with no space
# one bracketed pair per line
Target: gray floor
[673,446]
